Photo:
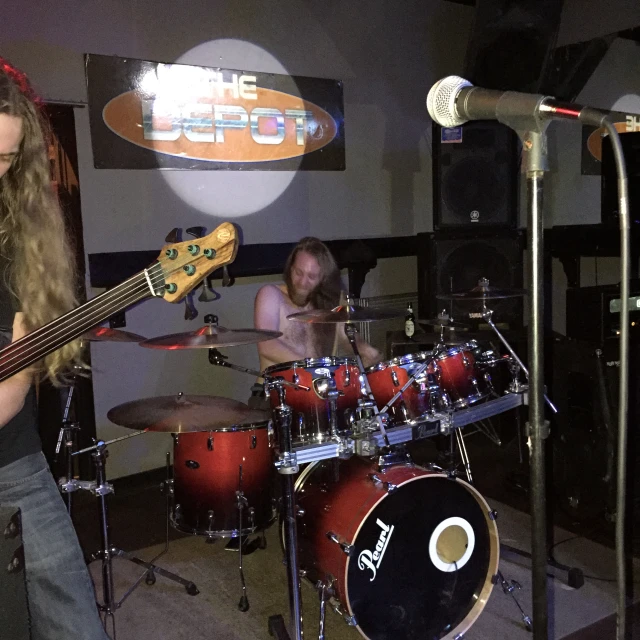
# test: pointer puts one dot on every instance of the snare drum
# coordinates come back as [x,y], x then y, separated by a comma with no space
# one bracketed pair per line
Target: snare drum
[311,410]
[210,467]
[419,400]
[411,553]
[460,377]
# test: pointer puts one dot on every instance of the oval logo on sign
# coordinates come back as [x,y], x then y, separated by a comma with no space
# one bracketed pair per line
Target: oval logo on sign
[268,125]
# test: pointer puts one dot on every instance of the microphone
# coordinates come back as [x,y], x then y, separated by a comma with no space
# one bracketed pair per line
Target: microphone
[453,101]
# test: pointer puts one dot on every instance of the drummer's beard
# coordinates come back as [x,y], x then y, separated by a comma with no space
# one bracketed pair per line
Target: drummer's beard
[300,298]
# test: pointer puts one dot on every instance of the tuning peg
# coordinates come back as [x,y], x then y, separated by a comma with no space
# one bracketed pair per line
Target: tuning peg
[208,295]
[197,232]
[227,280]
[190,311]
[175,235]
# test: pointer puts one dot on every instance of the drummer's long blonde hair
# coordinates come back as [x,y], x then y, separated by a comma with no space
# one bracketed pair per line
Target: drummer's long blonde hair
[33,238]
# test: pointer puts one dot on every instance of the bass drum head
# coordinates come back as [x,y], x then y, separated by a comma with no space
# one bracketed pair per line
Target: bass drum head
[423,562]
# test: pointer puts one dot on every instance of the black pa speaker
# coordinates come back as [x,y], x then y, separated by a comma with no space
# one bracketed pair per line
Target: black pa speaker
[511,43]
[455,261]
[631,149]
[475,176]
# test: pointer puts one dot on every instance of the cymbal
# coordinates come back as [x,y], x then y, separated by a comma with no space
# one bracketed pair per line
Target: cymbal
[483,291]
[184,414]
[344,313]
[210,337]
[105,334]
[445,323]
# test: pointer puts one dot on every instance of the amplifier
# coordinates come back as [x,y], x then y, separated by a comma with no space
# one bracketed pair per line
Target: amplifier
[593,313]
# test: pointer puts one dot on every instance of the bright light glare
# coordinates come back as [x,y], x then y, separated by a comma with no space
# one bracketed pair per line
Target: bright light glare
[229,193]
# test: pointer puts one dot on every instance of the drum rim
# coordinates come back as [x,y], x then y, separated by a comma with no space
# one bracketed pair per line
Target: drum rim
[408,358]
[494,555]
[246,426]
[308,363]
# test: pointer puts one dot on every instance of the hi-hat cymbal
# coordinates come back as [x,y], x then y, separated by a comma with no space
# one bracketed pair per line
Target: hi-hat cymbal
[444,322]
[483,291]
[210,337]
[184,414]
[105,334]
[344,313]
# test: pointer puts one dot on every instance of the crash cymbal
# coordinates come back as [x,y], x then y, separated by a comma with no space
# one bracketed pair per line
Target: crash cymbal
[444,323]
[483,291]
[210,337]
[184,414]
[344,313]
[105,334]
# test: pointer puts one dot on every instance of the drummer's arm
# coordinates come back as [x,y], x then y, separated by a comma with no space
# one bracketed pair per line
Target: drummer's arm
[266,316]
[13,390]
[370,355]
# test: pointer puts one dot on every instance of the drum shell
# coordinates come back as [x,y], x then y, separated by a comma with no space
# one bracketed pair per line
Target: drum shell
[460,377]
[310,411]
[340,502]
[207,476]
[387,378]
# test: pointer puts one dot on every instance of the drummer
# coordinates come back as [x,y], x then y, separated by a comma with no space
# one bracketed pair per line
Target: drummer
[311,281]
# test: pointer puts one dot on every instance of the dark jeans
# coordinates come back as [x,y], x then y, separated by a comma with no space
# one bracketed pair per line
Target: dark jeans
[60,592]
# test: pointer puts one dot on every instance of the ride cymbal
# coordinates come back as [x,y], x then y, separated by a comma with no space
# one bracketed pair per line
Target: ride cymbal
[184,414]
[344,313]
[443,322]
[105,334]
[210,337]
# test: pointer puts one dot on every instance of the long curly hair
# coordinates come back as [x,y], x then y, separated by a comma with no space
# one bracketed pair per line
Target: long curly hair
[40,270]
[327,293]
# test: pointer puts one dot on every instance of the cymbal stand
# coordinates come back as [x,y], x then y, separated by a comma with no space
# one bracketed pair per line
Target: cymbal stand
[351,331]
[101,488]
[287,467]
[67,436]
[487,316]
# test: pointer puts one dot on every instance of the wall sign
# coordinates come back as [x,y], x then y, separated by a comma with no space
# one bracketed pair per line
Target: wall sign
[147,115]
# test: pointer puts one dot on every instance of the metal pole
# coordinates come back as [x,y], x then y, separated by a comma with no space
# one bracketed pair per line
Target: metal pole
[534,144]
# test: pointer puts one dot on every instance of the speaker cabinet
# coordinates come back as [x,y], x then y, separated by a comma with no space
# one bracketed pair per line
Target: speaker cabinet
[455,261]
[475,180]
[511,42]
[631,149]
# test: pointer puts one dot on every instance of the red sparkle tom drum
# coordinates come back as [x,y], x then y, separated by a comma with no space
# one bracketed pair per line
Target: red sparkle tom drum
[311,411]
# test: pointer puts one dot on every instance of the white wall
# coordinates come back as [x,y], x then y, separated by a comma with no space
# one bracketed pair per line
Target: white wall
[388,56]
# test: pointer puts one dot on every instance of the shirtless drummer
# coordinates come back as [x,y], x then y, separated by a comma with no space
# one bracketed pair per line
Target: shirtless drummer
[311,281]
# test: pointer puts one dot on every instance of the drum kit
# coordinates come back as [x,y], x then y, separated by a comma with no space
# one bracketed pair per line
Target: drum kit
[398,550]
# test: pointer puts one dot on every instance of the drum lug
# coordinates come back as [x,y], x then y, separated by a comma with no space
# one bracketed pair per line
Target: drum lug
[389,486]
[254,442]
[394,378]
[210,443]
[300,512]
[345,546]
[347,376]
[493,514]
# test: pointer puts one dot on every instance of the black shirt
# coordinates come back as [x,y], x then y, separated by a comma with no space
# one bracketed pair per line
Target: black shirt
[19,437]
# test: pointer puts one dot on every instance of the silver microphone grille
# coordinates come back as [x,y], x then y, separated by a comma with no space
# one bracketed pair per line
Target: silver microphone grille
[441,101]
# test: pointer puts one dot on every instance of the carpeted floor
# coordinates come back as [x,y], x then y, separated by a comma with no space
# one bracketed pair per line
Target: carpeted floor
[165,610]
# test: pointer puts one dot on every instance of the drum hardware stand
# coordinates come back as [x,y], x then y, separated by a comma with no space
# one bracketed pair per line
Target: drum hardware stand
[101,488]
[508,588]
[327,594]
[287,467]
[67,436]
[243,605]
[350,330]
[487,315]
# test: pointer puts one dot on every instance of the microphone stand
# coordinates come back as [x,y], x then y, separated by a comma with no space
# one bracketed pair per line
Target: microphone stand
[534,143]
